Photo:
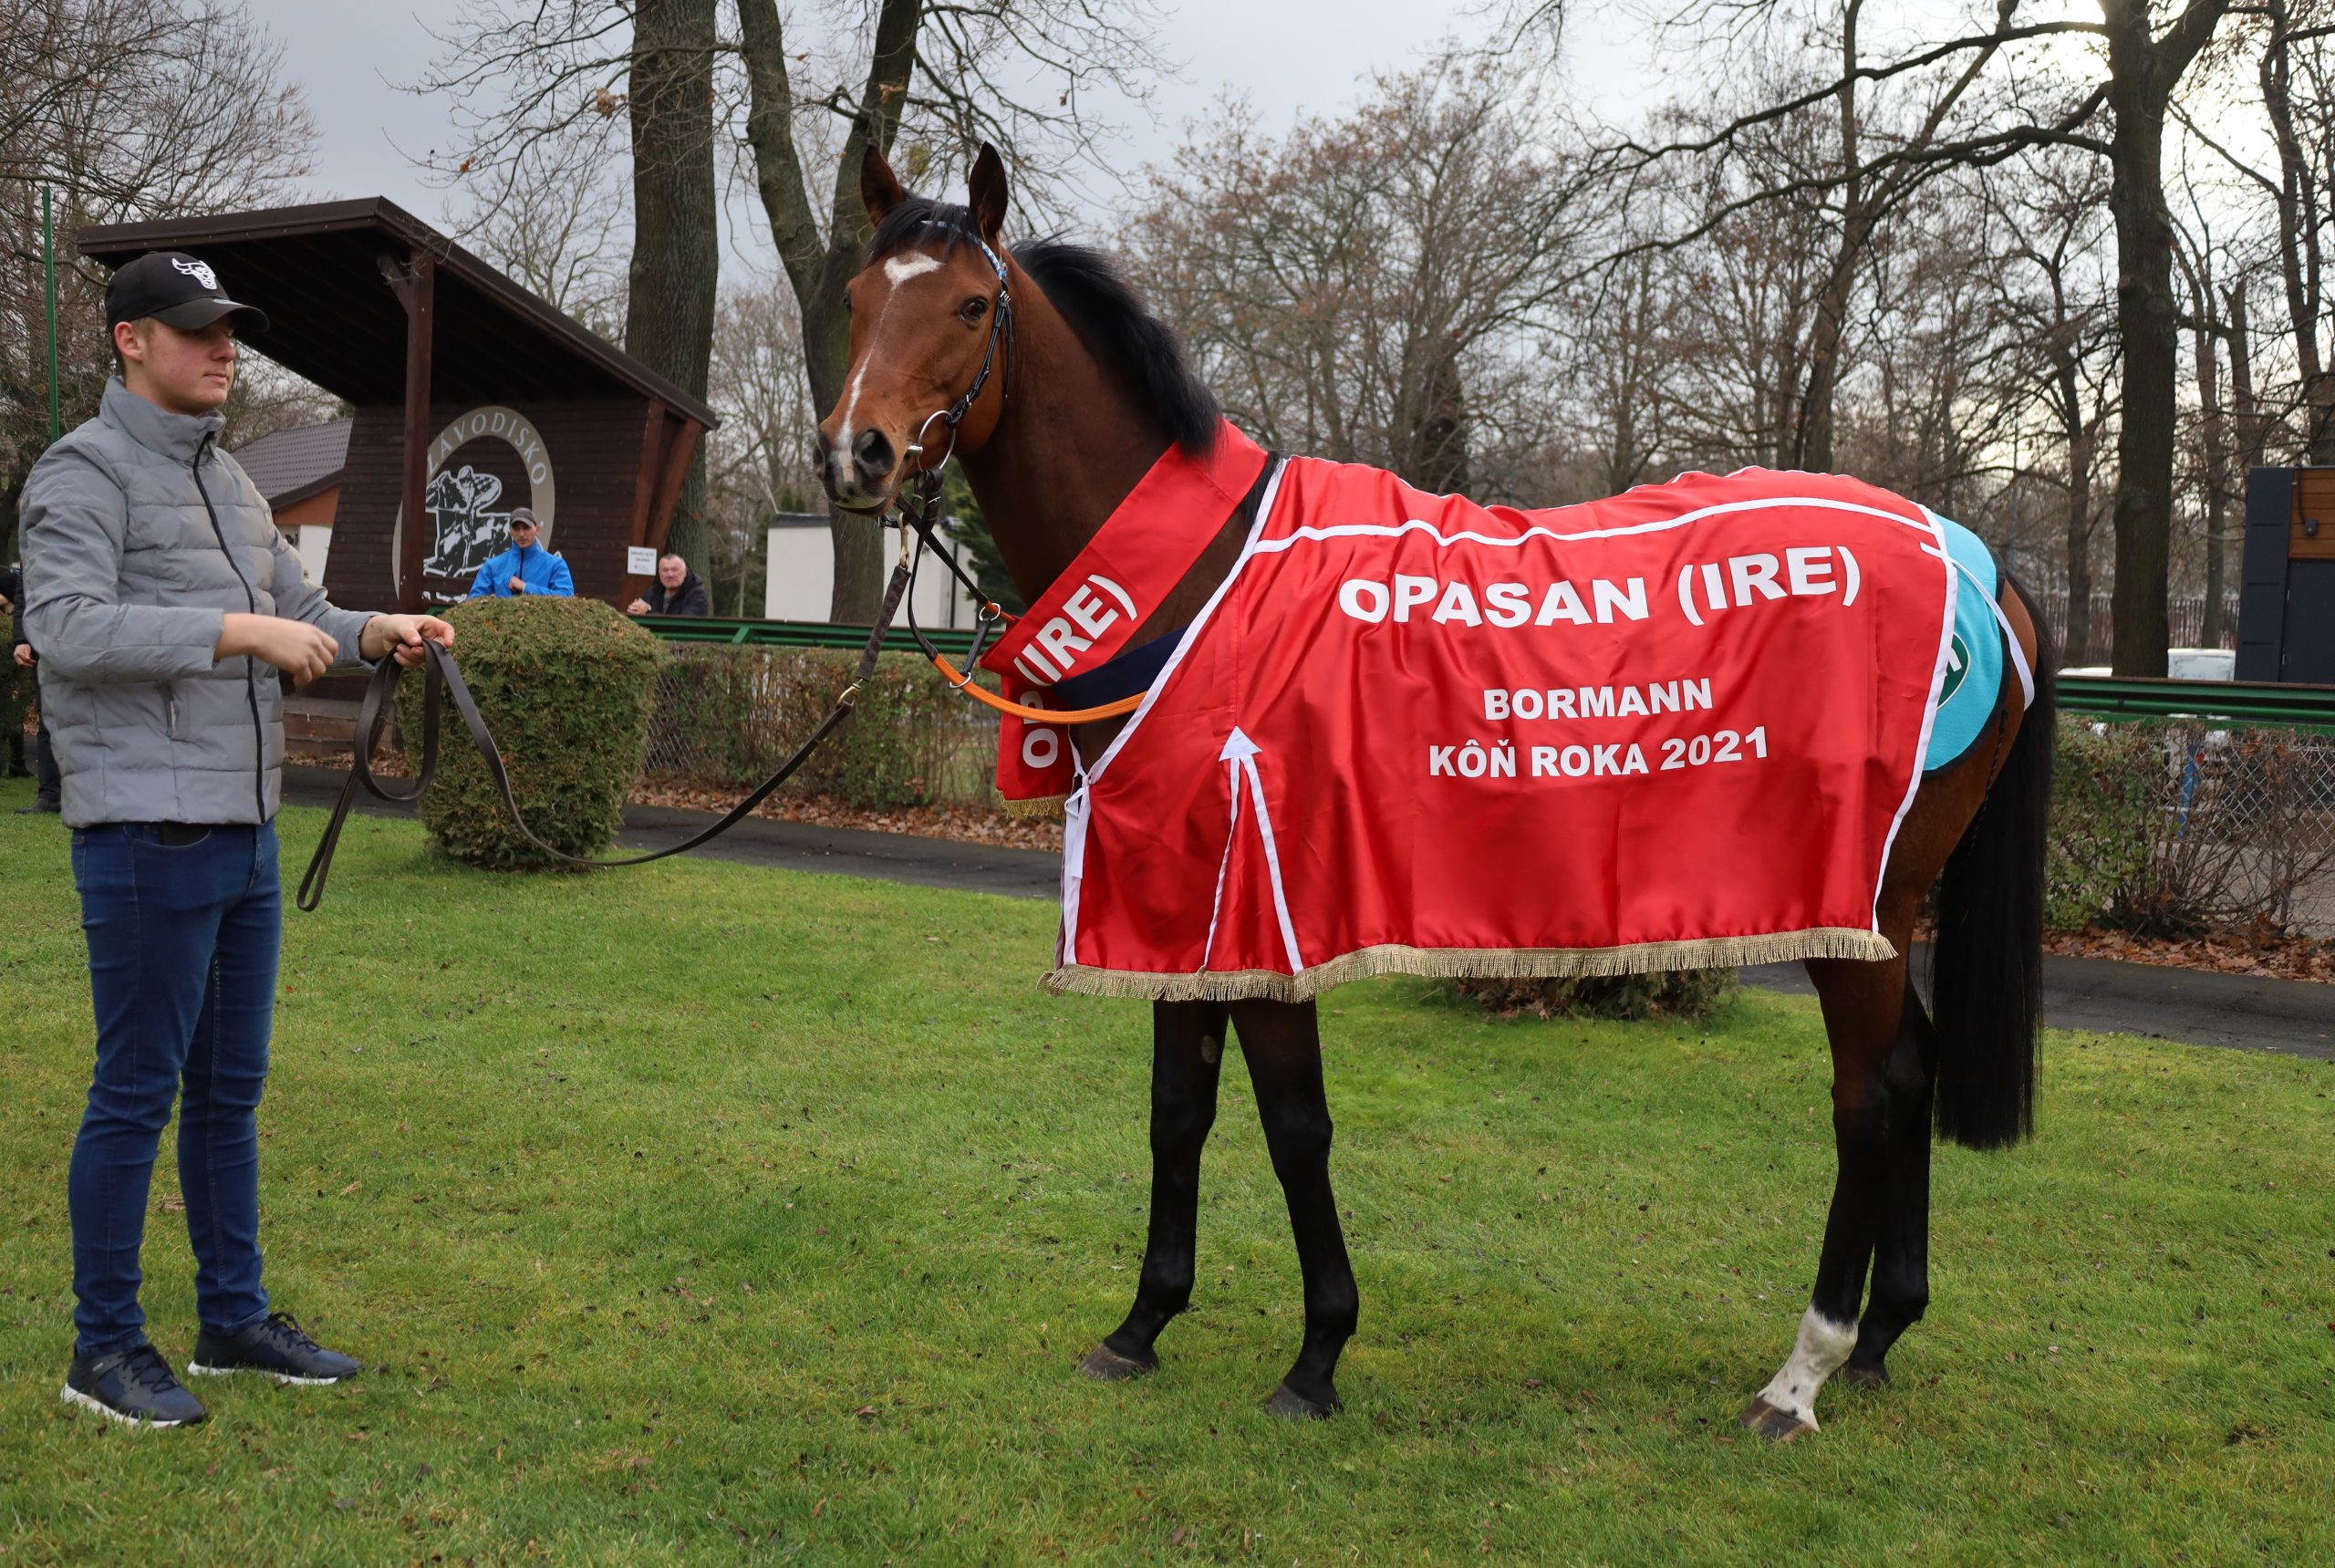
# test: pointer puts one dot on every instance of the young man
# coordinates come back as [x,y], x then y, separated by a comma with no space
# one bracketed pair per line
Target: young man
[527,568]
[163,600]
[677,591]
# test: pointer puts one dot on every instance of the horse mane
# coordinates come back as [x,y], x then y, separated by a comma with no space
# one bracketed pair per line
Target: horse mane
[1102,307]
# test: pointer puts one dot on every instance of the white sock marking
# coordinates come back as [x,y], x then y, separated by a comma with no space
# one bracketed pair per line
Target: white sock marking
[1816,1354]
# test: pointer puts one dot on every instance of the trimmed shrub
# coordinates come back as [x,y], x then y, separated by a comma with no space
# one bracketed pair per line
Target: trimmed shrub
[564,686]
[1673,994]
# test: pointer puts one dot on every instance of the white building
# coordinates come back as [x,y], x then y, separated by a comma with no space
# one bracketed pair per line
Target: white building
[802,578]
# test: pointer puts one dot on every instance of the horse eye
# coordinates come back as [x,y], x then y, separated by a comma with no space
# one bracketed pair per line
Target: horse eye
[975,308]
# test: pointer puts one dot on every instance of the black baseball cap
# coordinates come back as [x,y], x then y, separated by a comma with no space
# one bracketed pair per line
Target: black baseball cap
[175,288]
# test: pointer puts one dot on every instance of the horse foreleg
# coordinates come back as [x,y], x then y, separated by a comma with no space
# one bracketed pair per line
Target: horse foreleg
[1281,1043]
[1901,1266]
[1862,1014]
[1186,1044]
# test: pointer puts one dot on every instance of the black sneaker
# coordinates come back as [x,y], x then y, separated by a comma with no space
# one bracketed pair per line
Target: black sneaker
[42,805]
[136,1387]
[276,1345]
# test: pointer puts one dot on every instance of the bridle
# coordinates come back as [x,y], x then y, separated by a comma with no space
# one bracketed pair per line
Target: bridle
[916,513]
[1001,325]
[918,516]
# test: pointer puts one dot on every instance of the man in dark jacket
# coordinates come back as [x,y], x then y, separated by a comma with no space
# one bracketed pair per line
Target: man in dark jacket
[164,600]
[44,769]
[677,591]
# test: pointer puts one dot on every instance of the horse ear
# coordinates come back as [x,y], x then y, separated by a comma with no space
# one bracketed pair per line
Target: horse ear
[879,188]
[988,185]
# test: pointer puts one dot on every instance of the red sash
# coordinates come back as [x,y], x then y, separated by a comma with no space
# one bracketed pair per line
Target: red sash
[1086,617]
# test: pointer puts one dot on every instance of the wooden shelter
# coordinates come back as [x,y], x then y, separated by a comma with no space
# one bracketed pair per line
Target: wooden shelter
[470,396]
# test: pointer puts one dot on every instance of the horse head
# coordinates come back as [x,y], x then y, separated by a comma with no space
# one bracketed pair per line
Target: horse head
[931,333]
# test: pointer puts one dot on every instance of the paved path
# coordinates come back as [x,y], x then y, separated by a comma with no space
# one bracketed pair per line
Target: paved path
[2290,1016]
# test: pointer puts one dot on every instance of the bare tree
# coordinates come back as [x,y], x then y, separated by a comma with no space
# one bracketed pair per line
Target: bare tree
[123,110]
[2057,294]
[555,218]
[1373,288]
[2029,105]
[775,89]
[756,461]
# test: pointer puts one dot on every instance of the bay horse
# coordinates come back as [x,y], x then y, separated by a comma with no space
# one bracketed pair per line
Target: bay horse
[1085,390]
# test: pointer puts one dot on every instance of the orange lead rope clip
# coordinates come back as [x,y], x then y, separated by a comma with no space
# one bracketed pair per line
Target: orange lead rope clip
[1034,715]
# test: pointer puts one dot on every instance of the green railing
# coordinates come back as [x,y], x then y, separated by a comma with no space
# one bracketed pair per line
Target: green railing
[2100,696]
[2239,702]
[780,633]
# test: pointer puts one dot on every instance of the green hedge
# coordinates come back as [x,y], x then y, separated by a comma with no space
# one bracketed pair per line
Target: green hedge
[564,686]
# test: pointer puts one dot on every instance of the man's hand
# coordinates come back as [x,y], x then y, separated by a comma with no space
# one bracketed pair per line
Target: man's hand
[518,584]
[637,607]
[295,647]
[402,637]
[25,654]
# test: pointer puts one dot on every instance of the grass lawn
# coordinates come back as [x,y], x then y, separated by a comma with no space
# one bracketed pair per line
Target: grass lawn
[704,1213]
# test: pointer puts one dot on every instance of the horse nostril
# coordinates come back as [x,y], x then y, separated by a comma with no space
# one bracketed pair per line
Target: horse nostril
[873,453]
[821,449]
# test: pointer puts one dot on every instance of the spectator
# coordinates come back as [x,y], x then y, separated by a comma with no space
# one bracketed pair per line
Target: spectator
[154,664]
[677,591]
[527,568]
[44,769]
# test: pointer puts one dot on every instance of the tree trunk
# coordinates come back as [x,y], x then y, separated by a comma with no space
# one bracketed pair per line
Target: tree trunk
[677,241]
[2142,70]
[1440,445]
[2213,433]
[818,264]
[2079,530]
[2301,218]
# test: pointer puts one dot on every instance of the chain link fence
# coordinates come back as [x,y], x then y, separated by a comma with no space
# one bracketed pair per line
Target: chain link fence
[725,718]
[2178,827]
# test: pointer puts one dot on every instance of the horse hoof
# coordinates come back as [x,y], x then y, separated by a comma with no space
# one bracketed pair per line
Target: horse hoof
[1288,1402]
[1874,1377]
[1775,1426]
[1108,1366]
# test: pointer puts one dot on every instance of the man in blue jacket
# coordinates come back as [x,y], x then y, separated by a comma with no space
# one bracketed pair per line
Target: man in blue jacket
[527,568]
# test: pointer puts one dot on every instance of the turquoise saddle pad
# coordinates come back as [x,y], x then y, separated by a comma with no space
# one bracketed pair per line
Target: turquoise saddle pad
[1973,667]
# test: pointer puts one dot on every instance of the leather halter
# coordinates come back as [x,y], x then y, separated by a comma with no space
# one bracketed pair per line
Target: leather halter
[1001,324]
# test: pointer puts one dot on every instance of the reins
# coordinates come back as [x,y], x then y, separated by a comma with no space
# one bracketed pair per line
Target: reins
[445,683]
[917,516]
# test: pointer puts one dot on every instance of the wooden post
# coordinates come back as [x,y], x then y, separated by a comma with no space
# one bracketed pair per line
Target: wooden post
[415,283]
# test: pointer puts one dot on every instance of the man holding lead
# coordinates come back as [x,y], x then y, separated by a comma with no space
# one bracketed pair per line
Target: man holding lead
[164,600]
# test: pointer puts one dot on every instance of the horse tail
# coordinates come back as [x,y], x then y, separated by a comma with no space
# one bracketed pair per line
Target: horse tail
[1987,965]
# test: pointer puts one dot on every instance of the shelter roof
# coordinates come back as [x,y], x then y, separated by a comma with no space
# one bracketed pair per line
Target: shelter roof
[290,465]
[333,318]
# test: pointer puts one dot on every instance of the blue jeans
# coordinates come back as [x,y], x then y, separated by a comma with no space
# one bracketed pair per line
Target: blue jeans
[184,941]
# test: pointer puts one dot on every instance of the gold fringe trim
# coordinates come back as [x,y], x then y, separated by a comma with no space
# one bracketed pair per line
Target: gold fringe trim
[1039,805]
[1474,963]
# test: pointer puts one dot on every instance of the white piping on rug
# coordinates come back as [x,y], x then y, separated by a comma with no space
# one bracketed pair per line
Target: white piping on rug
[1313,533]
[1936,527]
[1240,755]
[1074,810]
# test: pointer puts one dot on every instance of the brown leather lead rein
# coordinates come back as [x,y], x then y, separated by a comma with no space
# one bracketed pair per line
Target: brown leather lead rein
[443,675]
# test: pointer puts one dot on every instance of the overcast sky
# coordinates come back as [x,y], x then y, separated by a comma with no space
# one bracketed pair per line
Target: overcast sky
[1285,56]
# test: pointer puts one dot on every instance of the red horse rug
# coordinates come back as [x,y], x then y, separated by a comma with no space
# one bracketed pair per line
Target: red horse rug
[1674,729]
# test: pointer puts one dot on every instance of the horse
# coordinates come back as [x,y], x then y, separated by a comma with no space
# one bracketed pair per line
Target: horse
[1087,390]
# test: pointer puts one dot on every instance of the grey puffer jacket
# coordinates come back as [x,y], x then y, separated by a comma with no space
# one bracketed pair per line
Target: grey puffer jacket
[139,536]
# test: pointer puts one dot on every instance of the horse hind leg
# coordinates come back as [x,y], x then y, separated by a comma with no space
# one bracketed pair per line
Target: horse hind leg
[1188,1044]
[1873,1100]
[1900,1273]
[1283,1045]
